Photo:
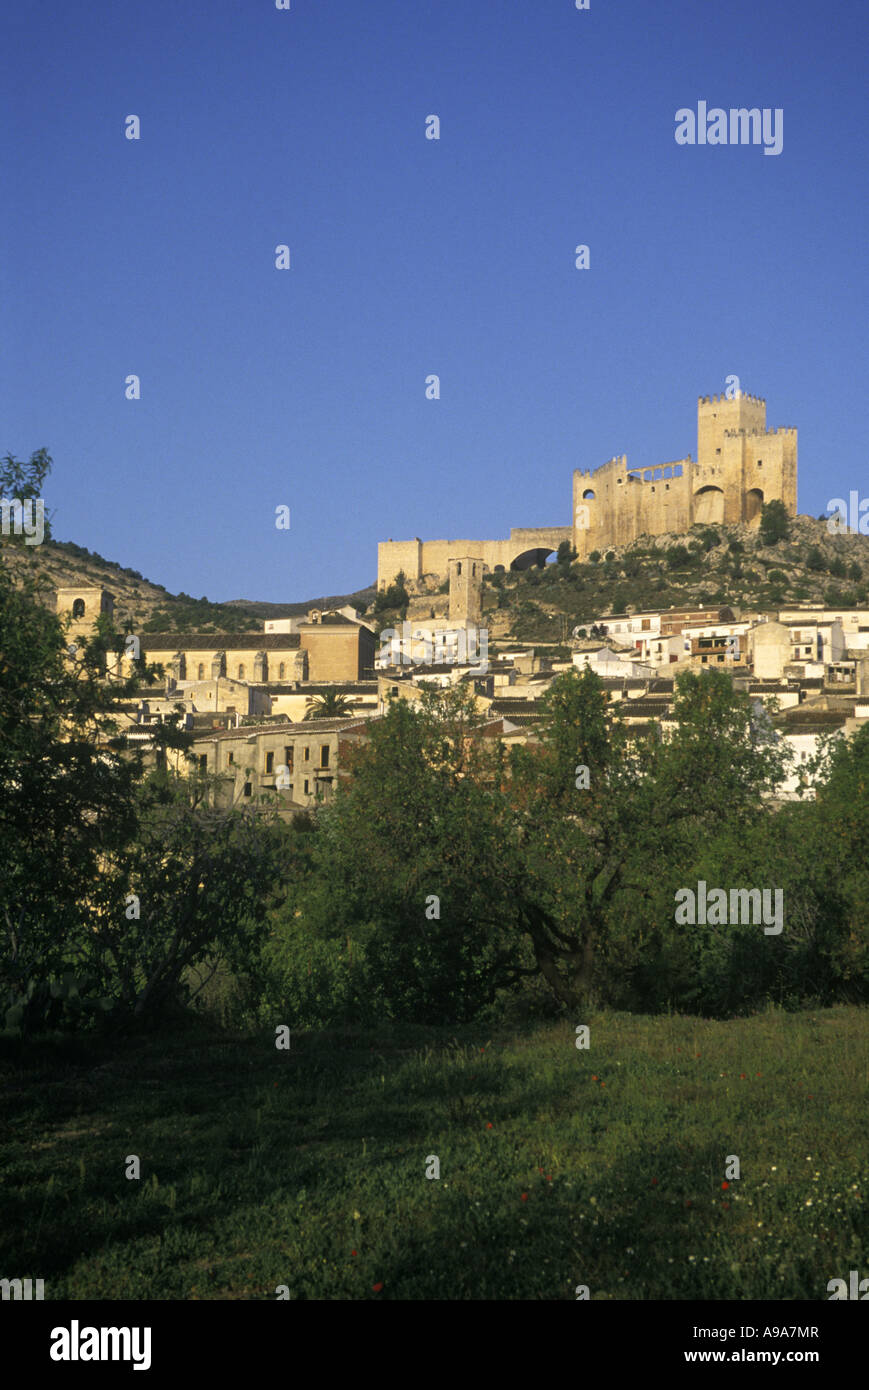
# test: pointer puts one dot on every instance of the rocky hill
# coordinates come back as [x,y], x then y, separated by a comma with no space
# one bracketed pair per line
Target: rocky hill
[63,564]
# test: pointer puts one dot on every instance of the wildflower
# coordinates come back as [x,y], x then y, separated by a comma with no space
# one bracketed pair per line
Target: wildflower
[654,1182]
[352,1252]
[375,1288]
[489,1125]
[524,1196]
[724,1186]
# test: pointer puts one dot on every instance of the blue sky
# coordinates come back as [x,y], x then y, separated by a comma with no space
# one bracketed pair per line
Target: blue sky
[306,387]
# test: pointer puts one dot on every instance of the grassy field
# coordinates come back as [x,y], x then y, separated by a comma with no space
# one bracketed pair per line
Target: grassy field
[558,1167]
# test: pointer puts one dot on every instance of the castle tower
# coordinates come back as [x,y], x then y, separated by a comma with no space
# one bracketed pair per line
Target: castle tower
[717,414]
[85,606]
[466,590]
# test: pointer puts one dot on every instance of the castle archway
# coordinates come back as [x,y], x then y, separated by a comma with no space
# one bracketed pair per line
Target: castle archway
[529,558]
[708,505]
[753,506]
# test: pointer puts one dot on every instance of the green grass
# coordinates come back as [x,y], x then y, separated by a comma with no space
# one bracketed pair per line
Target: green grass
[558,1167]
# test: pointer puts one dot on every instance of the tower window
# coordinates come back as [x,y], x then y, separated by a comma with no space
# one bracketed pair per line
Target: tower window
[241,673]
[281,671]
[200,673]
[78,608]
[270,762]
[459,567]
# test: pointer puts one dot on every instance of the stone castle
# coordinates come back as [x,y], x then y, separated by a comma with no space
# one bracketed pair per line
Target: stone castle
[740,465]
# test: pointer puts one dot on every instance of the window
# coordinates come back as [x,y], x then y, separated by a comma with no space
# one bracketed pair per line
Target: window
[241,672]
[282,671]
[200,671]
[78,608]
[459,567]
[307,792]
[230,758]
[307,755]
[270,762]
[203,762]
[288,756]
[248,789]
[324,755]
[760,463]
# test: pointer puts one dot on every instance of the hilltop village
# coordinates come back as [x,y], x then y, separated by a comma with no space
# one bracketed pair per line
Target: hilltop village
[274,714]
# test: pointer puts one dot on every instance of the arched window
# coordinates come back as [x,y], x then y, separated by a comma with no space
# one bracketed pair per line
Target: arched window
[78,608]
[588,495]
[241,672]
[459,567]
[282,670]
[200,671]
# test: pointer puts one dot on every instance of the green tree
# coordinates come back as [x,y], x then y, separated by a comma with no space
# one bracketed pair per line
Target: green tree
[332,704]
[24,482]
[66,786]
[407,860]
[649,806]
[775,523]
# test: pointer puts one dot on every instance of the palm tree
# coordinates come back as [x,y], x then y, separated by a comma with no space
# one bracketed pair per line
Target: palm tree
[330,705]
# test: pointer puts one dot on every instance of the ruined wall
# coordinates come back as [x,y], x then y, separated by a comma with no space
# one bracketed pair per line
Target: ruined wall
[417,558]
[613,505]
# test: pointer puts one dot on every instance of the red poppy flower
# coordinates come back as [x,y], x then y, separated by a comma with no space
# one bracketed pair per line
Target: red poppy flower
[687,1204]
[654,1182]
[742,1076]
[726,1206]
[489,1125]
[524,1196]
[724,1186]
[375,1288]
[352,1252]
[594,1078]
[603,1083]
